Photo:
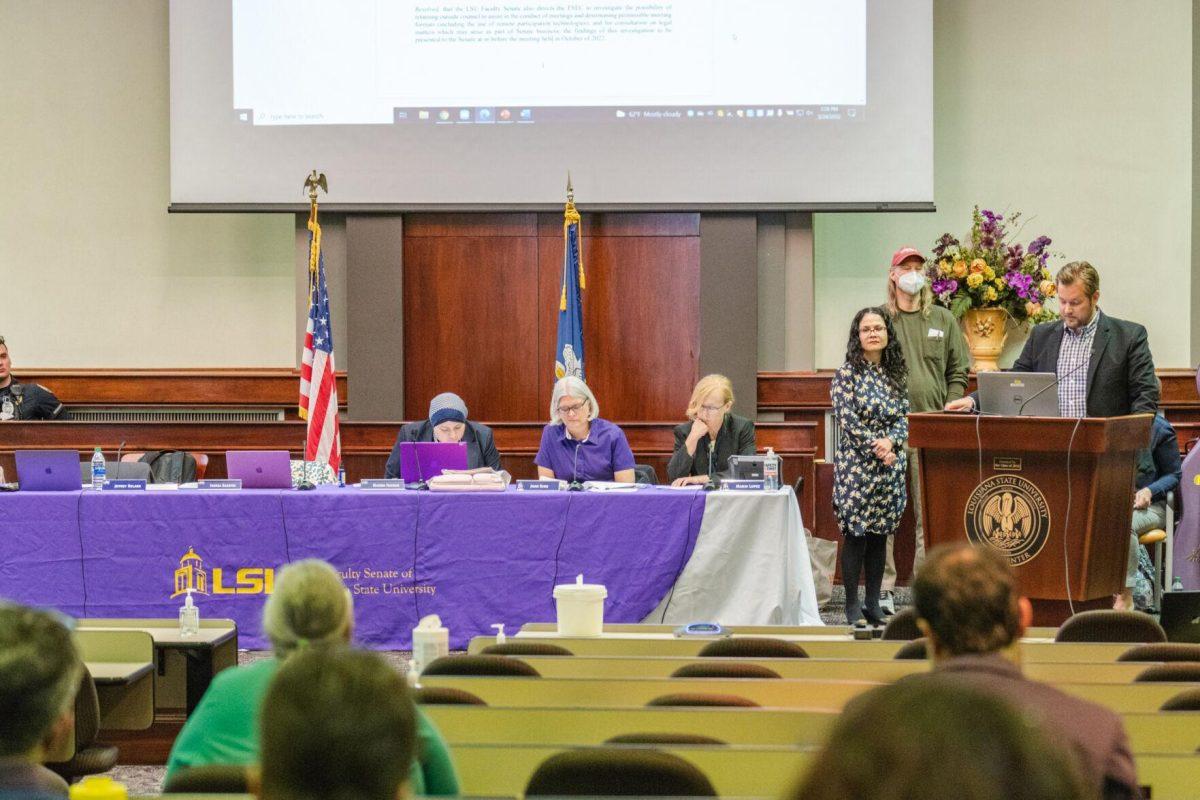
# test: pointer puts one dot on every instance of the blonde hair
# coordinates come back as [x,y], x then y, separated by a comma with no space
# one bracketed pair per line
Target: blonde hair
[310,605]
[706,386]
[1081,272]
[573,387]
[893,307]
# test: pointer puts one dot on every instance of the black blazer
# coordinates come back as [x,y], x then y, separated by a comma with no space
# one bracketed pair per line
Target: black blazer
[481,446]
[735,438]
[1120,373]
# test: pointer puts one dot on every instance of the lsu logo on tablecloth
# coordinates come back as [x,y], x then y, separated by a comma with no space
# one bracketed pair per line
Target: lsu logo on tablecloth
[1009,514]
[191,574]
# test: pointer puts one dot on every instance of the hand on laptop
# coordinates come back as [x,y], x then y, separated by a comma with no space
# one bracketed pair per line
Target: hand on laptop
[961,404]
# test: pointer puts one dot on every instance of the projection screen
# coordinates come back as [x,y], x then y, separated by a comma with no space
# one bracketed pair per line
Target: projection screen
[697,104]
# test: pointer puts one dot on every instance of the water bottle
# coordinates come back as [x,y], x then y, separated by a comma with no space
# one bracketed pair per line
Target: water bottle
[189,617]
[771,470]
[99,469]
[342,475]
[1177,584]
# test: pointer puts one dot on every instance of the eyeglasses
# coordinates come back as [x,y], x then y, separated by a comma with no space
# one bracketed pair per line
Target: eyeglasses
[712,409]
[566,411]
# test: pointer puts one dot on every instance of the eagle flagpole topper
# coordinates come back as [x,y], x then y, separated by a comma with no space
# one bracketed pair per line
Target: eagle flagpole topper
[318,383]
[568,354]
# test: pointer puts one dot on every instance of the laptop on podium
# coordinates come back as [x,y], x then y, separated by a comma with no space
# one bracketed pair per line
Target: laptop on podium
[1011,394]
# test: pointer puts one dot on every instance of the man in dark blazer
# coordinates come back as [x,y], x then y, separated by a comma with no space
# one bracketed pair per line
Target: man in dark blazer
[969,610]
[448,423]
[1103,363]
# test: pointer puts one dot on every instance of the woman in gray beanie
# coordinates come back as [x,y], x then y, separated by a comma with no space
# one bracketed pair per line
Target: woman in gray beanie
[448,423]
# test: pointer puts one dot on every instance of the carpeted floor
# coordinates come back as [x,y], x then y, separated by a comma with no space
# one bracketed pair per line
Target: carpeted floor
[147,780]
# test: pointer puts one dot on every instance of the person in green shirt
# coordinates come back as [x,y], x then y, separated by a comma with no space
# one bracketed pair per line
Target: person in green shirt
[309,607]
[936,353]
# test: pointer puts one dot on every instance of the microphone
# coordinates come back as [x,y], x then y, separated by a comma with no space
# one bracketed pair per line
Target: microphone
[1056,382]
[421,482]
[305,484]
[712,483]
[118,466]
[575,485]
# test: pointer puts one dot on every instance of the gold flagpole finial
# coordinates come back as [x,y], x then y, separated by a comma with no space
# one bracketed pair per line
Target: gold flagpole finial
[313,182]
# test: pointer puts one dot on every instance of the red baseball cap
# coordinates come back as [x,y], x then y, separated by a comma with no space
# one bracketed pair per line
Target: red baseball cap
[905,253]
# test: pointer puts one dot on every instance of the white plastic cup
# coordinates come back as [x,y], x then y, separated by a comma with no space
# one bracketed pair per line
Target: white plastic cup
[580,608]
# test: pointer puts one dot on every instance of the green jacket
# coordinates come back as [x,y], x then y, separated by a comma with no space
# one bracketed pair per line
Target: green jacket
[223,729]
[936,353]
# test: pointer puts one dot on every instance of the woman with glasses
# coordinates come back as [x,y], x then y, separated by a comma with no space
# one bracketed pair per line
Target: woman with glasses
[870,403]
[703,445]
[577,445]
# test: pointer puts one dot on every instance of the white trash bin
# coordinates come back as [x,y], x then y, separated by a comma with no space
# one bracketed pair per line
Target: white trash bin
[580,608]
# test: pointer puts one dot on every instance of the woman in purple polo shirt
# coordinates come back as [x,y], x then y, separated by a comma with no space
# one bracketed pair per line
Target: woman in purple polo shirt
[579,446]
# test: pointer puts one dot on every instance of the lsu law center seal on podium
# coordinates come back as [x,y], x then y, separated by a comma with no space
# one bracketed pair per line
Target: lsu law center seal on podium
[1008,513]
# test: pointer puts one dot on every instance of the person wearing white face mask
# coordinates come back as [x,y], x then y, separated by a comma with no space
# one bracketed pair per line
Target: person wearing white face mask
[936,353]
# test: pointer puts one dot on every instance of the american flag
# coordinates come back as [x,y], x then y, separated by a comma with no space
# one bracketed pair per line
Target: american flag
[318,388]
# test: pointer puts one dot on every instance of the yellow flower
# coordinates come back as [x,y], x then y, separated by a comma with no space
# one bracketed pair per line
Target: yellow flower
[974,280]
[978,265]
[989,294]
[943,267]
[1033,309]
[998,283]
[1047,288]
[1045,273]
[960,268]
[988,273]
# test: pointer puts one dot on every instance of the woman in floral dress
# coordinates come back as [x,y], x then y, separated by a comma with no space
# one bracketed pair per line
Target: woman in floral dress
[870,400]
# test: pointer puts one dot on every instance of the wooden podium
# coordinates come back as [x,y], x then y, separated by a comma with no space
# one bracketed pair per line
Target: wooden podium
[1003,482]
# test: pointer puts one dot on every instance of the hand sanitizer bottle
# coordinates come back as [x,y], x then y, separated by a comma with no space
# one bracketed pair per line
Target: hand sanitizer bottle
[189,617]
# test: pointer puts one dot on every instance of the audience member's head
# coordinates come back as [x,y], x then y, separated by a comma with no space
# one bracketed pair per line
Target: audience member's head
[40,670]
[336,723]
[310,605]
[913,740]
[967,601]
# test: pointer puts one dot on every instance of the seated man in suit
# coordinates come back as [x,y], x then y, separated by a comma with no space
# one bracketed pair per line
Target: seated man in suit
[40,671]
[1159,471]
[25,401]
[448,423]
[968,608]
[1103,364]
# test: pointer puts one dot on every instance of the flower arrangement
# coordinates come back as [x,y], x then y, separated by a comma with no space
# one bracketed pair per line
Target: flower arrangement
[987,271]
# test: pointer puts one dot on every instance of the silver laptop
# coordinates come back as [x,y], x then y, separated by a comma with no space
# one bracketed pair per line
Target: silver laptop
[1026,394]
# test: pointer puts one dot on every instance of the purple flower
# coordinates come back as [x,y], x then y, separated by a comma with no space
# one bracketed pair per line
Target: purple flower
[943,244]
[1038,245]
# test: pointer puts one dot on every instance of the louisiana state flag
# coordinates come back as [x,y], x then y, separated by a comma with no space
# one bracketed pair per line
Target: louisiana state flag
[568,358]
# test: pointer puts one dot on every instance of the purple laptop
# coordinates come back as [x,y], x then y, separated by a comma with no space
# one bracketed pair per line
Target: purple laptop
[48,470]
[420,461]
[260,469]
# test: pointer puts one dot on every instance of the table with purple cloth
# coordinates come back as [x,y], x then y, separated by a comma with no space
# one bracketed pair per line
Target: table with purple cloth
[474,559]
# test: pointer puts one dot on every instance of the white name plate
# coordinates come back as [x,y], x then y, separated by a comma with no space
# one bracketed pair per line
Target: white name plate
[387,484]
[221,483]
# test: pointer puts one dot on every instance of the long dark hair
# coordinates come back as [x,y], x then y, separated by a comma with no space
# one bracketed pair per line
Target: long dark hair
[892,359]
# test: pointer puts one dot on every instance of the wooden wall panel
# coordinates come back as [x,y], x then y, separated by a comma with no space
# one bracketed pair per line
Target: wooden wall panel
[641,322]
[471,324]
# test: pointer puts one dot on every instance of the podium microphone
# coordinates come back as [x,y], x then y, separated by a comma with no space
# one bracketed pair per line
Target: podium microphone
[1048,386]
